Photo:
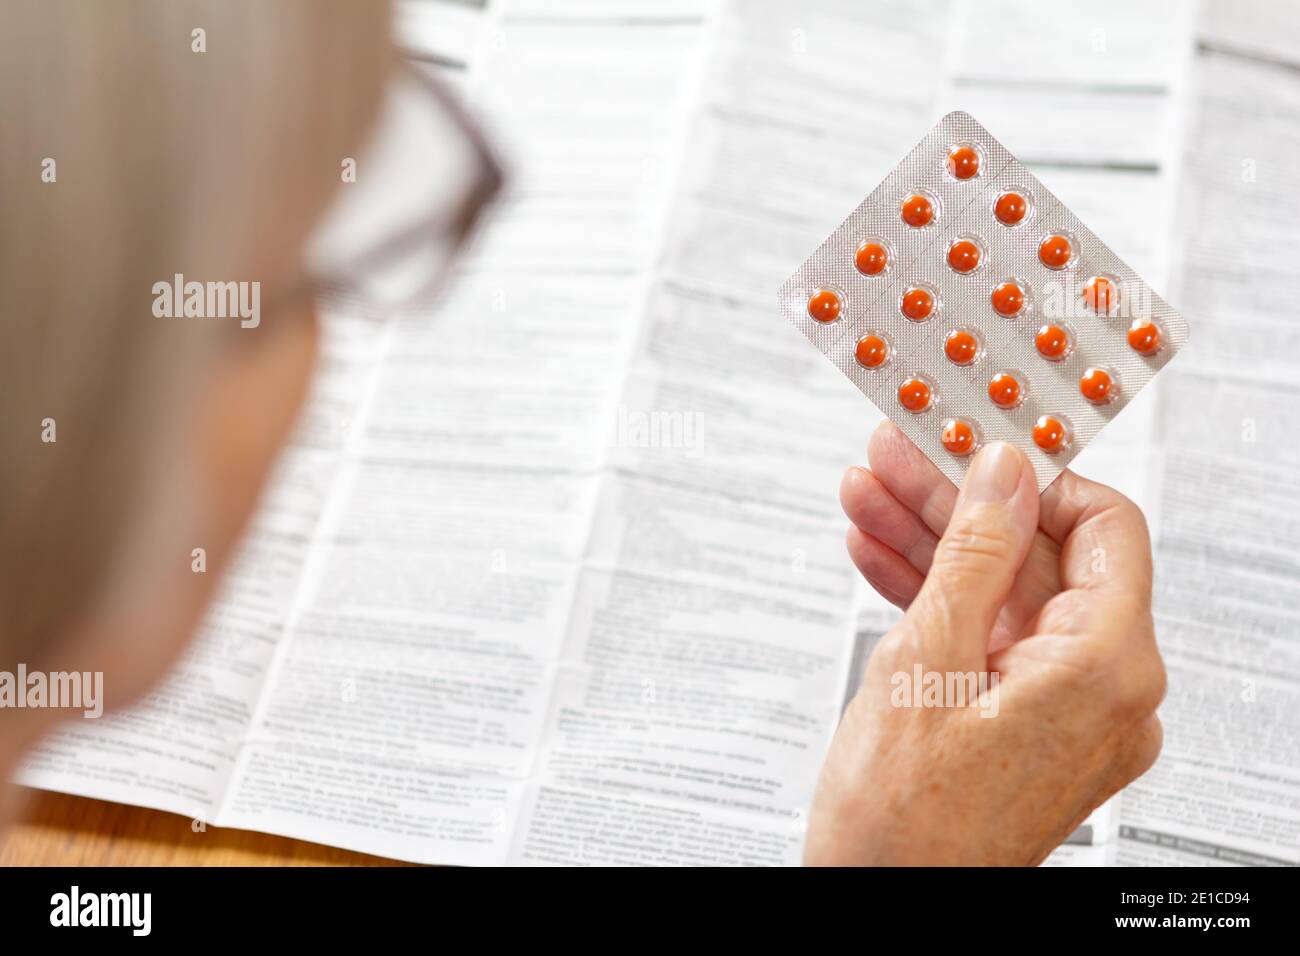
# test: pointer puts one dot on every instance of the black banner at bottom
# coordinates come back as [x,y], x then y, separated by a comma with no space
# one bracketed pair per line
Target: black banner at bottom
[340,905]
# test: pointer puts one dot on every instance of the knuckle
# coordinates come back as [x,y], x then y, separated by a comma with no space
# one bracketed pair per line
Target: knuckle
[1138,687]
[1139,752]
[972,550]
[1127,510]
[1125,518]
[894,649]
[1157,684]
[1150,741]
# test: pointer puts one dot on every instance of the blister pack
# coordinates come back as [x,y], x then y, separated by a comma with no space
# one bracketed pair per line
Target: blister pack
[970,305]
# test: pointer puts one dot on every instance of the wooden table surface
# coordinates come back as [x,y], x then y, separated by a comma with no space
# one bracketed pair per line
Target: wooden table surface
[54,829]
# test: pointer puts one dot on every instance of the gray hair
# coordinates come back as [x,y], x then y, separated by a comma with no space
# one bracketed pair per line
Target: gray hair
[163,160]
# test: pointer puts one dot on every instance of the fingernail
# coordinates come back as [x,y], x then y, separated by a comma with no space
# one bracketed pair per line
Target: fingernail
[994,474]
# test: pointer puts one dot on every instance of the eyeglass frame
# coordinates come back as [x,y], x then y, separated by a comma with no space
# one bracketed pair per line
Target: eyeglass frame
[456,222]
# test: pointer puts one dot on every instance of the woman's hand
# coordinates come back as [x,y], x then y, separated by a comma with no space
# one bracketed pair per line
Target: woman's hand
[1052,597]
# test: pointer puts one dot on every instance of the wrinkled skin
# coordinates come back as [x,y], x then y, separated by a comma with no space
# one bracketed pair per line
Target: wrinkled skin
[1051,594]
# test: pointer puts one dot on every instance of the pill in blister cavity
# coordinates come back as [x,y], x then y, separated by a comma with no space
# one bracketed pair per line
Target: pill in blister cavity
[1144,337]
[1056,251]
[1011,208]
[917,303]
[1099,385]
[1101,294]
[976,305]
[1051,433]
[872,257]
[1006,389]
[964,255]
[1053,342]
[825,305]
[960,436]
[964,161]
[872,350]
[916,394]
[918,210]
[1008,299]
[962,346]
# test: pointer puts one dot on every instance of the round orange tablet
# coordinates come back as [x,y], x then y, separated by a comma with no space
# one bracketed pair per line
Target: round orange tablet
[917,211]
[961,347]
[963,162]
[1051,433]
[1008,299]
[1005,390]
[1052,342]
[915,394]
[825,306]
[1056,251]
[1100,293]
[964,256]
[871,351]
[1144,337]
[1098,386]
[872,258]
[1011,209]
[958,436]
[917,304]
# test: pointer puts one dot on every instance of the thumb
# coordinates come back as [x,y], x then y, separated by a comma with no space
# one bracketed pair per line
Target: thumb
[986,541]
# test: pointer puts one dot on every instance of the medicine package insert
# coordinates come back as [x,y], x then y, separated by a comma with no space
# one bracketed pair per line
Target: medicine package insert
[970,305]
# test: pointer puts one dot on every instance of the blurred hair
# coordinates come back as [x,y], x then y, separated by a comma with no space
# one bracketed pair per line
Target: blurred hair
[212,164]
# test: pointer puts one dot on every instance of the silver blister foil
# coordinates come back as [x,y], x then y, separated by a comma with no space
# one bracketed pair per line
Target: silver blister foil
[918,258]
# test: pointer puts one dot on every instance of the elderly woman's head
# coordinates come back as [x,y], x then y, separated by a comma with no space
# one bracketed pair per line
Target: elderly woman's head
[143,141]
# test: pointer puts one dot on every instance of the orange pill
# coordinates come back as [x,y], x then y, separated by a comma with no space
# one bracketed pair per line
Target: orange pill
[1052,342]
[872,258]
[1055,252]
[1050,434]
[1004,390]
[958,437]
[1011,209]
[917,211]
[917,304]
[1144,337]
[1100,294]
[961,347]
[871,351]
[963,162]
[825,306]
[1097,385]
[1008,299]
[963,256]
[914,394]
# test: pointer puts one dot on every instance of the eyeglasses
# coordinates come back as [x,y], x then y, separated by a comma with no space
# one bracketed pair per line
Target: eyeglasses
[410,202]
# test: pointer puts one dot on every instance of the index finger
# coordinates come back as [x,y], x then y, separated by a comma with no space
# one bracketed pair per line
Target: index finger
[1102,534]
[1105,544]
